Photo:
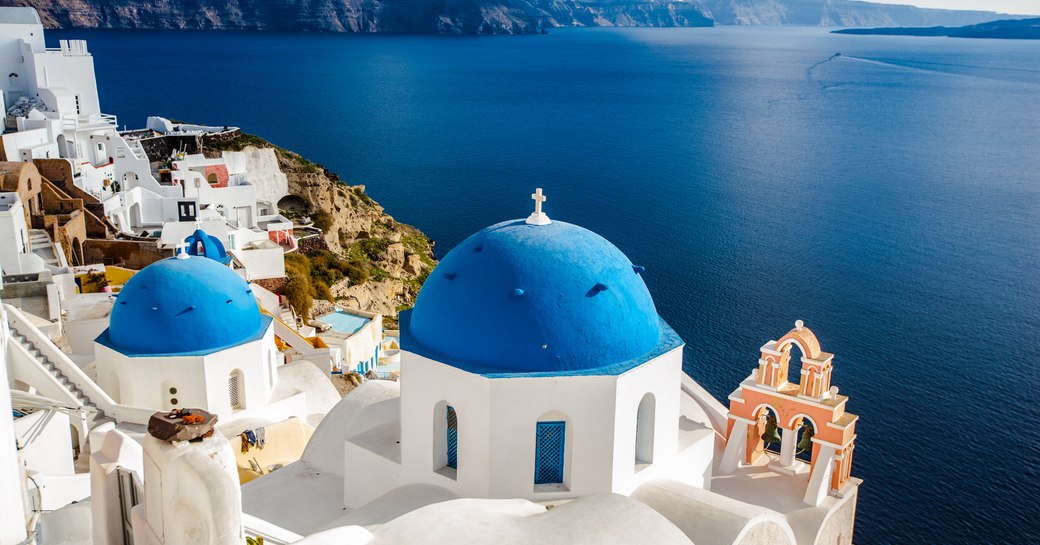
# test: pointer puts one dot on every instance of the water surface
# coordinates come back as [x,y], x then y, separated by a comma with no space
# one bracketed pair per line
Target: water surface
[889,197]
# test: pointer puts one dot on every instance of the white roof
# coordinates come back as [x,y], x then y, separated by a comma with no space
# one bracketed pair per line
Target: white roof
[19,16]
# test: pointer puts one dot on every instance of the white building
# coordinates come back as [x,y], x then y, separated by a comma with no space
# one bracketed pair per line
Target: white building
[207,346]
[535,369]
[51,101]
[16,255]
[62,78]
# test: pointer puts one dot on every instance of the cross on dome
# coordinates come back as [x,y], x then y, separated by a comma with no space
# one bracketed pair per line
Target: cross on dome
[538,217]
[182,250]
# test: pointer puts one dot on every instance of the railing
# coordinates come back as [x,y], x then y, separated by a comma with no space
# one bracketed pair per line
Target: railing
[73,121]
[97,396]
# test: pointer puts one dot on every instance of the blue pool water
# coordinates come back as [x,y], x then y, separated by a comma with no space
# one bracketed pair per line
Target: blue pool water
[344,322]
[889,196]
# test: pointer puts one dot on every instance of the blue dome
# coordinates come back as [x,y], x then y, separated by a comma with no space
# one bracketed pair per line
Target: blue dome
[204,245]
[519,298]
[182,306]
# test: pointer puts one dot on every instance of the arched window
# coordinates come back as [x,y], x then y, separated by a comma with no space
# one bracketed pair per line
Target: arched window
[235,389]
[549,452]
[645,430]
[444,450]
[453,438]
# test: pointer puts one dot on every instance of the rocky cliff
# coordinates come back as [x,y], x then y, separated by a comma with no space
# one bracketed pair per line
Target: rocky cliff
[848,13]
[392,16]
[478,16]
[362,255]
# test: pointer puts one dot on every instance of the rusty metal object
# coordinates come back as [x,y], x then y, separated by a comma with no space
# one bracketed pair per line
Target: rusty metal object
[171,426]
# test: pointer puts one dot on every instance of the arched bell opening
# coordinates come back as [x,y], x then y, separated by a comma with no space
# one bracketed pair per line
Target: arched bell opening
[806,430]
[764,436]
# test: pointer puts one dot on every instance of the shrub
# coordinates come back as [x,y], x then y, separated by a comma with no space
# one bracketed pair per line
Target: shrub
[322,220]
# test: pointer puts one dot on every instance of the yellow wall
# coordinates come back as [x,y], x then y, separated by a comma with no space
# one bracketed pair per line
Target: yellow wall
[285,443]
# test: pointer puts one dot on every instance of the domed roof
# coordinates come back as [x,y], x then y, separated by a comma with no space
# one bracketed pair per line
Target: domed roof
[205,245]
[523,298]
[183,305]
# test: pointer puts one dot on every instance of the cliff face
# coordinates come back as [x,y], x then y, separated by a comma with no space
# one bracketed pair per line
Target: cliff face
[392,16]
[478,16]
[835,13]
[382,263]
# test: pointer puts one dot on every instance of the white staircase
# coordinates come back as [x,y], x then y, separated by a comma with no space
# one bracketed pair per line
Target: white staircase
[61,377]
[287,315]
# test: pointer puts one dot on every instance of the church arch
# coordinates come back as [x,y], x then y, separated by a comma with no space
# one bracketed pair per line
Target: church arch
[805,429]
[445,444]
[77,251]
[766,416]
[645,423]
[792,360]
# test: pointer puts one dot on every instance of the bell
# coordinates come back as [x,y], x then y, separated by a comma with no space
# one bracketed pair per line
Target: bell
[805,443]
[771,435]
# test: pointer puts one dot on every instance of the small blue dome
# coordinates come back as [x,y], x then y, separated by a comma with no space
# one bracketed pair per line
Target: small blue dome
[205,245]
[520,298]
[178,306]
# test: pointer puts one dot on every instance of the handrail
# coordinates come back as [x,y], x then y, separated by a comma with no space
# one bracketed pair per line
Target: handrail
[96,395]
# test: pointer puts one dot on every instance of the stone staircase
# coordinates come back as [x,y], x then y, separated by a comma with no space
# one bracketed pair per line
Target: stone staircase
[67,384]
[288,316]
[41,245]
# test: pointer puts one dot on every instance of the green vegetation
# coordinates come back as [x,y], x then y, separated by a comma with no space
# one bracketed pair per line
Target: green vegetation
[244,140]
[298,289]
[311,276]
[368,249]
[322,220]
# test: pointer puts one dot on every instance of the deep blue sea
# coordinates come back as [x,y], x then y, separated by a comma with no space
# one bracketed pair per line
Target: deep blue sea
[889,197]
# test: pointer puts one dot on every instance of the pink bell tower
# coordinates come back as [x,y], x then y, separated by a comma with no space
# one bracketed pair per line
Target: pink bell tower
[811,399]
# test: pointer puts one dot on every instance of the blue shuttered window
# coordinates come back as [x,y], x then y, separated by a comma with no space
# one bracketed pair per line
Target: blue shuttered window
[453,438]
[548,454]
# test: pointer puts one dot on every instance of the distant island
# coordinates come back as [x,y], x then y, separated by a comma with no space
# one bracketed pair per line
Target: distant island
[482,16]
[1014,29]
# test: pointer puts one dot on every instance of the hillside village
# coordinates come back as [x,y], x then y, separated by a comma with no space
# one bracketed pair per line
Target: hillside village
[208,339]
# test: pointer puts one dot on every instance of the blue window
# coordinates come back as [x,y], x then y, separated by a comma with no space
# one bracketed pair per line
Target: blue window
[453,438]
[548,452]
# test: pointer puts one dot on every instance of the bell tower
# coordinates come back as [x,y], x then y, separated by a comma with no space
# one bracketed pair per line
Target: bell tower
[811,405]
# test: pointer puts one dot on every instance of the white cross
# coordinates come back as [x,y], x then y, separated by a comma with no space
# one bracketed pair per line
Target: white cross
[538,200]
[182,248]
[538,217]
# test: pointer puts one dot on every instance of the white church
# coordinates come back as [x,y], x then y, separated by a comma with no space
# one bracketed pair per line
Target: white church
[541,395]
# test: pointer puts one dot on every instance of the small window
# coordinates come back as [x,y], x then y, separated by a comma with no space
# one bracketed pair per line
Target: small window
[453,438]
[235,389]
[173,391]
[173,402]
[549,452]
[645,430]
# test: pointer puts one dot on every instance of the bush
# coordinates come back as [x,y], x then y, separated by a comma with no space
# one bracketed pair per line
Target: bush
[322,220]
[298,292]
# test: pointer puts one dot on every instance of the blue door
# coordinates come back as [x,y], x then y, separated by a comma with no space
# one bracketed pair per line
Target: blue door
[548,453]
[453,438]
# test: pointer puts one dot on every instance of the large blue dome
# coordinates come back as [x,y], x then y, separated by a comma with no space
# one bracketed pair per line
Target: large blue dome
[520,298]
[183,306]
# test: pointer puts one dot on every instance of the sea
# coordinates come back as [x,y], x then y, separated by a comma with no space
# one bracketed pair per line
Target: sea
[885,190]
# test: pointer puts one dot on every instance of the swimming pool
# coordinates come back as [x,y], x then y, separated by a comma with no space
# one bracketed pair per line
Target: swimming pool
[344,322]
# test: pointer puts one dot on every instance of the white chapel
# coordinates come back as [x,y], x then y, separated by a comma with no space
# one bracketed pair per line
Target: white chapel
[536,369]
